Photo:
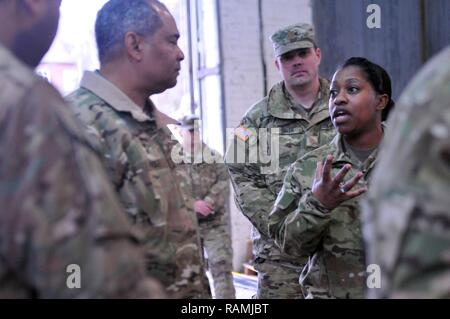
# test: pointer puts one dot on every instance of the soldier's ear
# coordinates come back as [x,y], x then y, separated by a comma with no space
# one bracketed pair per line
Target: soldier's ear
[133,46]
[318,53]
[382,101]
[277,64]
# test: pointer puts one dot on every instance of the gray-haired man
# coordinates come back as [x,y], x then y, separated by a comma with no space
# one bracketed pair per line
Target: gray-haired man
[139,56]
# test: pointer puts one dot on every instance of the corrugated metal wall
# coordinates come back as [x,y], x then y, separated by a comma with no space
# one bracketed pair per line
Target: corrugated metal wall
[437,25]
[411,31]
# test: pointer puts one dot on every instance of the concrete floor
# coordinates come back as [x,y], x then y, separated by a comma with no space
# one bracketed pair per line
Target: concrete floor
[245,285]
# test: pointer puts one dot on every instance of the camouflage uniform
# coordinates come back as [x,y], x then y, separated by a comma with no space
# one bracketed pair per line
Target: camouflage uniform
[137,153]
[211,184]
[407,214]
[331,239]
[255,193]
[57,206]
[255,184]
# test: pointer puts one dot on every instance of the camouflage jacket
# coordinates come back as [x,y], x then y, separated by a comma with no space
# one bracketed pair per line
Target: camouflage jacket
[59,218]
[210,183]
[331,239]
[137,153]
[255,184]
[407,211]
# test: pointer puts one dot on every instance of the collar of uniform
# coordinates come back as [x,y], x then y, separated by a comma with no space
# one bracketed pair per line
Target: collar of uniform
[278,105]
[341,155]
[14,69]
[171,136]
[6,56]
[338,153]
[100,86]
[285,109]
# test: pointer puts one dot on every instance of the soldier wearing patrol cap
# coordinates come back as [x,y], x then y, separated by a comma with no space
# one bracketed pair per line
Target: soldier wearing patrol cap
[298,108]
[299,36]
[210,185]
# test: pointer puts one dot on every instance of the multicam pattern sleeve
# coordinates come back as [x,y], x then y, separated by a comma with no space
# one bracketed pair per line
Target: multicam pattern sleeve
[407,210]
[57,207]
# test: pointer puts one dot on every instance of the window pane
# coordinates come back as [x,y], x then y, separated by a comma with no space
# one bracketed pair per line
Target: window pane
[212,112]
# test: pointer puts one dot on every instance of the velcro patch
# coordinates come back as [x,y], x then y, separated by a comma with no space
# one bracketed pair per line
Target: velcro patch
[284,200]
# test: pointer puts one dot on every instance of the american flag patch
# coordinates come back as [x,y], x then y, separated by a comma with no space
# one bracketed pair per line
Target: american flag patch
[243,133]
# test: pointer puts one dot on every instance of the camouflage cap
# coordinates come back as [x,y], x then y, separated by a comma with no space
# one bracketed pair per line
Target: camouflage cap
[188,121]
[293,37]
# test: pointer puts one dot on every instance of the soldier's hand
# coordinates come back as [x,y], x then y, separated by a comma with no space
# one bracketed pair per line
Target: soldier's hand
[203,208]
[331,191]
